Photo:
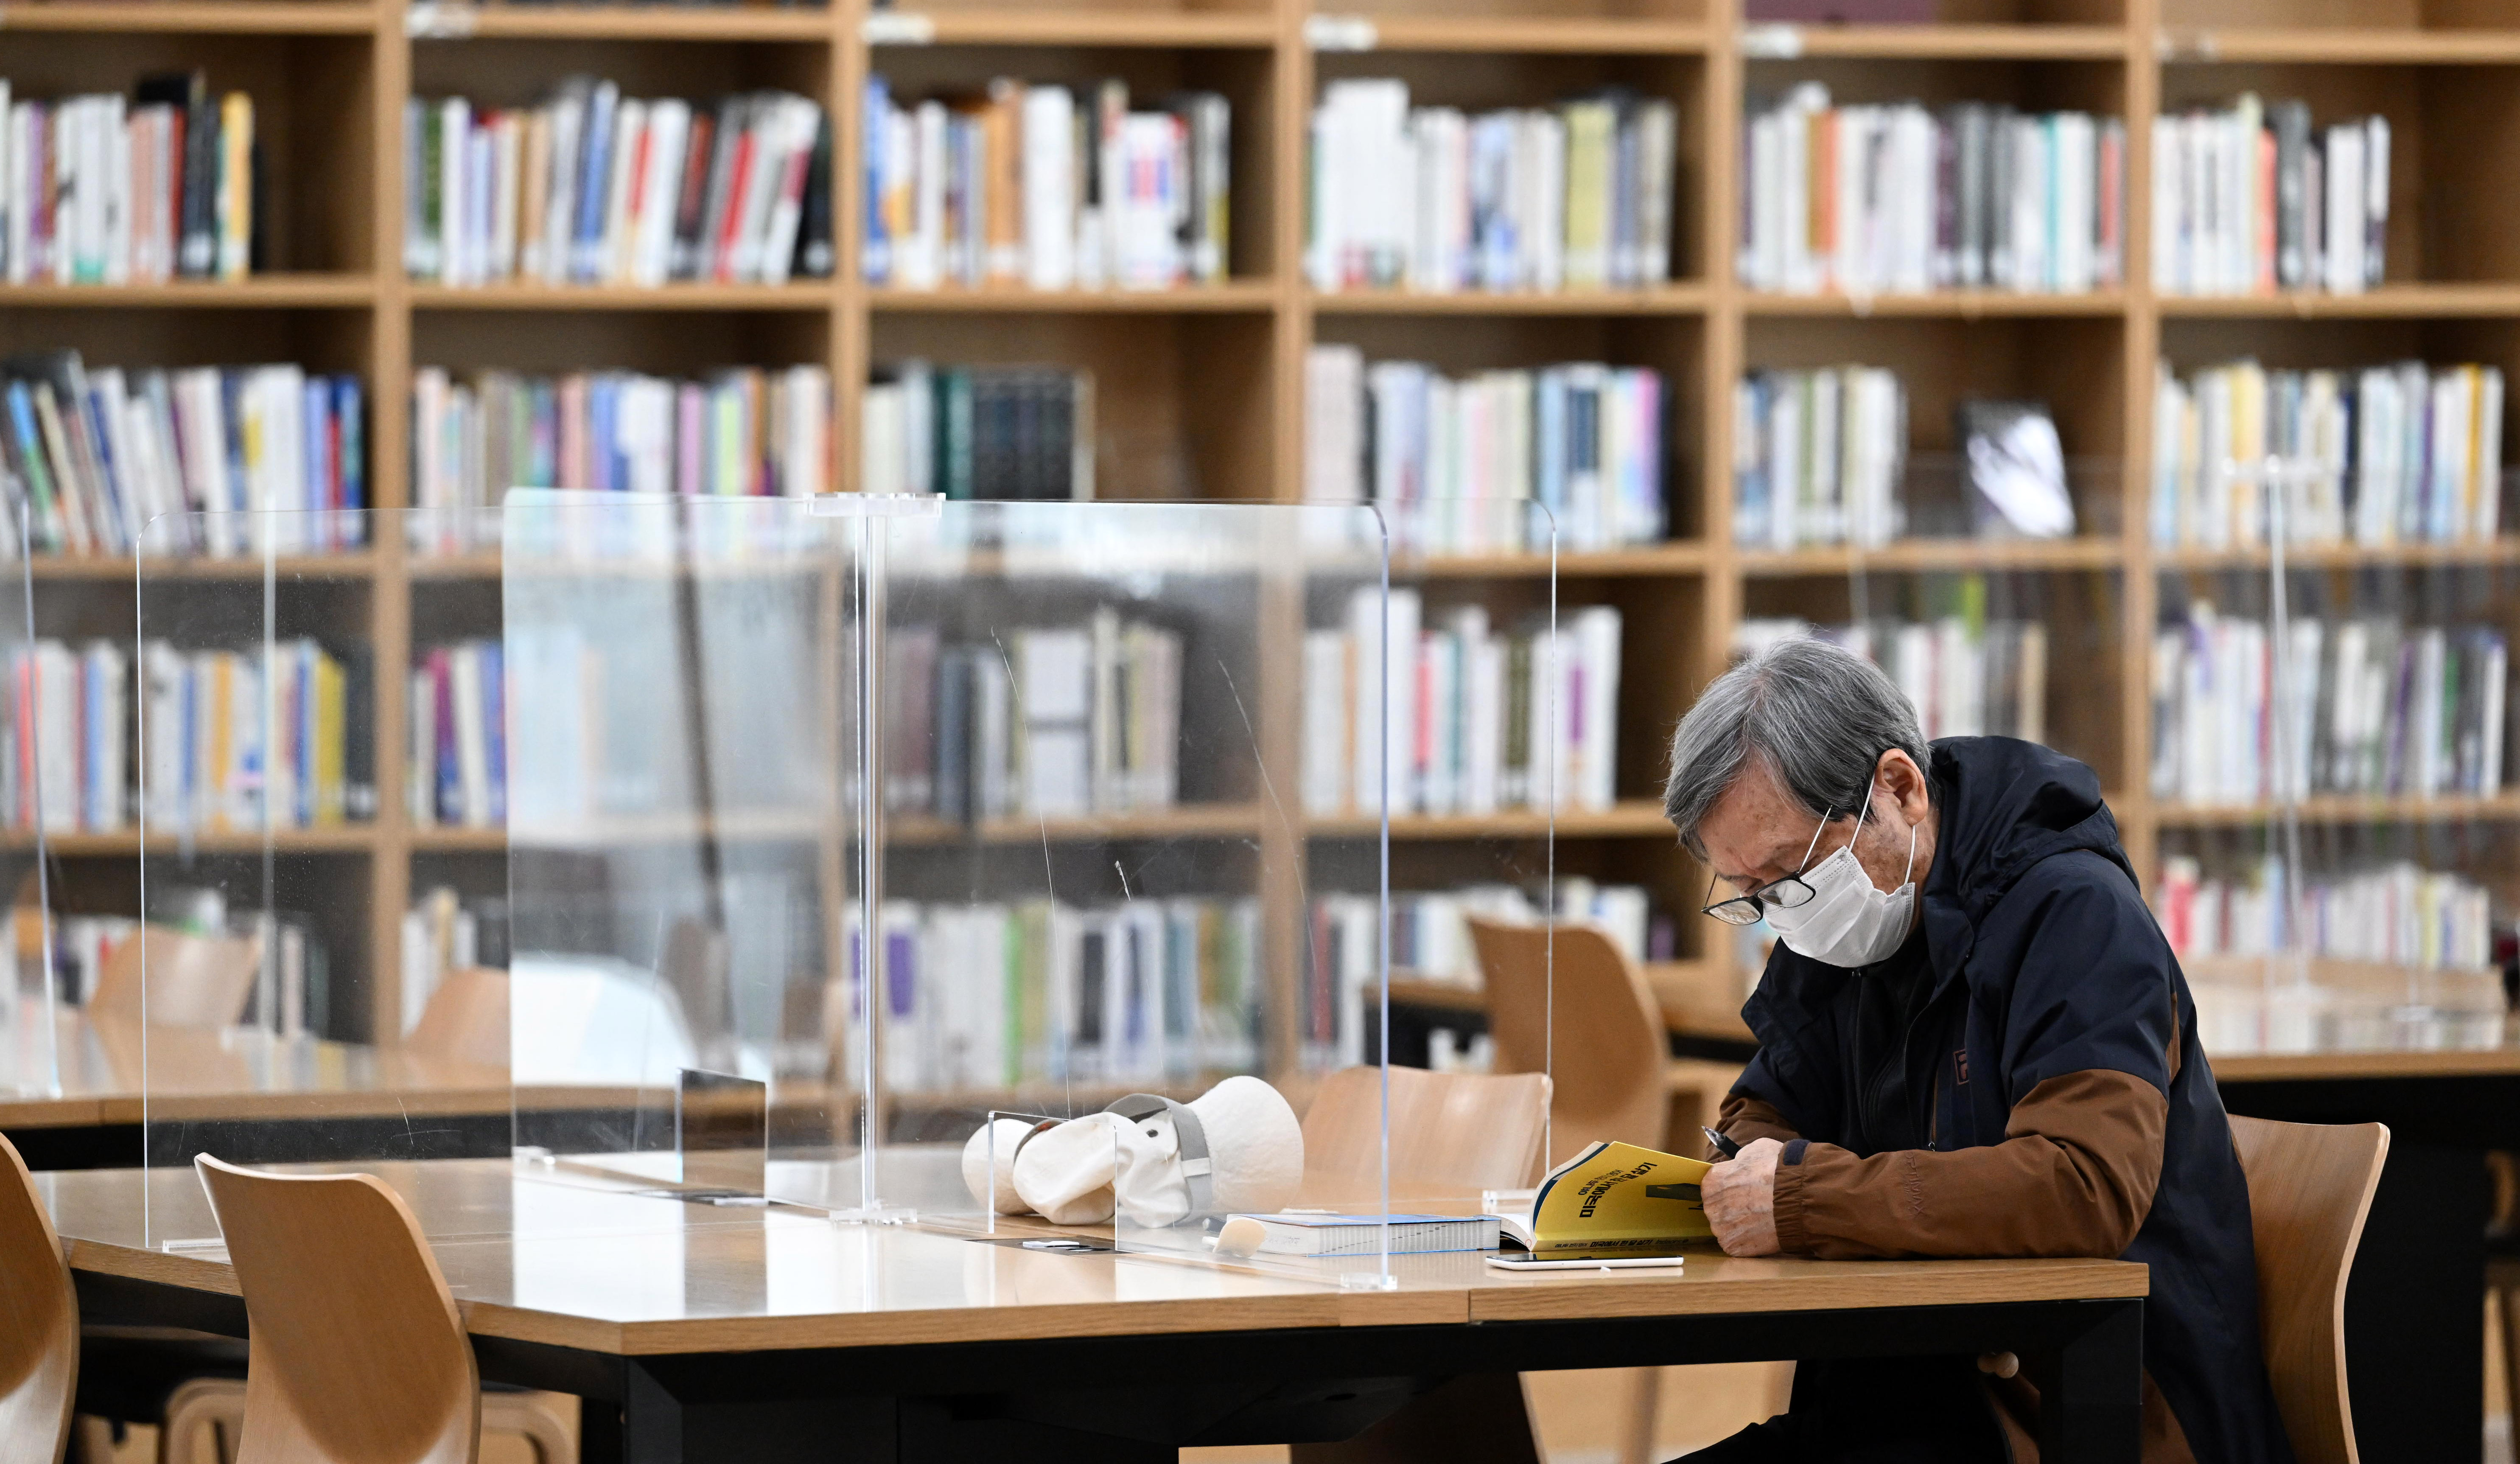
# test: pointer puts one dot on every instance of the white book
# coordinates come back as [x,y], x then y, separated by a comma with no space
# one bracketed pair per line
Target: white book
[1050,187]
[670,127]
[507,165]
[2375,199]
[1327,721]
[2345,210]
[921,266]
[802,120]
[2487,459]
[613,246]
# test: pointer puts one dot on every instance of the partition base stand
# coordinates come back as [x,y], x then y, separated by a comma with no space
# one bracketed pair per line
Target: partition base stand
[876,1215]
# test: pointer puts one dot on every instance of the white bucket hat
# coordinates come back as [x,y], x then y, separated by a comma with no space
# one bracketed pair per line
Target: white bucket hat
[1237,1147]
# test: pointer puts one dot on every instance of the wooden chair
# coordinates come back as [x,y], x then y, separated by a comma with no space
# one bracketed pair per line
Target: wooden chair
[194,981]
[2309,1187]
[1455,1134]
[1602,1009]
[465,1019]
[39,1340]
[1461,1132]
[356,1353]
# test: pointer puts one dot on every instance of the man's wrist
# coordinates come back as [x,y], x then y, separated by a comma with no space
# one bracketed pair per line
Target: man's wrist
[1787,1198]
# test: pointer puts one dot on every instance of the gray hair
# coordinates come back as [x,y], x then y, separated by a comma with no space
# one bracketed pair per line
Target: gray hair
[1819,715]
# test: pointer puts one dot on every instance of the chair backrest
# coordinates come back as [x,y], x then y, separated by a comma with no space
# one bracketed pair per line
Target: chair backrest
[356,1354]
[194,981]
[2310,1186]
[465,1019]
[1605,1018]
[39,1344]
[1456,1131]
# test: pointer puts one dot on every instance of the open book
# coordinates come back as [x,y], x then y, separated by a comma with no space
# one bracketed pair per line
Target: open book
[1614,1200]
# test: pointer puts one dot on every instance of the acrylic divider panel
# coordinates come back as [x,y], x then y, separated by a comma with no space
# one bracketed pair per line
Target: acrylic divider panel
[681,675]
[39,1020]
[1094,833]
[2331,759]
[1439,732]
[220,723]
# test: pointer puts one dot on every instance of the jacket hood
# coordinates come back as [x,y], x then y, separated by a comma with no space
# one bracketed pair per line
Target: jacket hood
[2004,805]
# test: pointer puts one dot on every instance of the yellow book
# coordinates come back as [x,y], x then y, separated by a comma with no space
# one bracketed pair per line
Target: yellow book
[330,739]
[1592,128]
[236,185]
[1615,1200]
[222,764]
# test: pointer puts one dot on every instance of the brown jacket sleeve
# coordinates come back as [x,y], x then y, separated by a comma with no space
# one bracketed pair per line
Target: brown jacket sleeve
[2074,1176]
[1743,1118]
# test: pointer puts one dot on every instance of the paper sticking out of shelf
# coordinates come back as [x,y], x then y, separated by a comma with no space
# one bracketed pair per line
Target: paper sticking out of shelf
[1771,42]
[1340,33]
[430,22]
[890,28]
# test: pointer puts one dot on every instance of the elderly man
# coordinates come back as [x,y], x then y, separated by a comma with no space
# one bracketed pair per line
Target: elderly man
[1973,1041]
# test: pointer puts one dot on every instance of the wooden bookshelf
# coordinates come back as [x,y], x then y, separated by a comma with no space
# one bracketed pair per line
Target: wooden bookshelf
[1208,382]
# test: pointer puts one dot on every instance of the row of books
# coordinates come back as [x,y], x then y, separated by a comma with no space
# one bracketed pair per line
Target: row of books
[443,932]
[2252,197]
[986,996]
[1430,932]
[223,734]
[1577,197]
[1475,717]
[1045,723]
[1048,187]
[2379,455]
[1450,460]
[1966,674]
[2366,704]
[105,189]
[590,187]
[1820,457]
[457,774]
[101,462]
[2399,914]
[1022,432]
[743,431]
[1873,200]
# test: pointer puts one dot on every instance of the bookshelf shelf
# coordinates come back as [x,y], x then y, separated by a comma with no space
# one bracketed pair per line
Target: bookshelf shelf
[1086,28]
[1671,299]
[347,838]
[1940,42]
[256,292]
[1199,393]
[210,16]
[1508,34]
[1232,297]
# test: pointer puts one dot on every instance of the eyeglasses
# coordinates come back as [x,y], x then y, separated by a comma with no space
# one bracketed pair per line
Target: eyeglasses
[1787,894]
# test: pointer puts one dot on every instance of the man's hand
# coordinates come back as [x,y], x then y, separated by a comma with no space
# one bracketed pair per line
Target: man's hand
[1740,1196]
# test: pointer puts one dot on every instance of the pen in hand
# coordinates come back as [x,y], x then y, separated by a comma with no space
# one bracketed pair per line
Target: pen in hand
[1723,1145]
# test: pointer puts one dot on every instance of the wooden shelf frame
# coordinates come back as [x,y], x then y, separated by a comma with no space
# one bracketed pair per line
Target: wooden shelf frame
[1225,382]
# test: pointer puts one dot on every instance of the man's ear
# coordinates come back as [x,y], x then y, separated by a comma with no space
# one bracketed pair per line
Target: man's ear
[1903,779]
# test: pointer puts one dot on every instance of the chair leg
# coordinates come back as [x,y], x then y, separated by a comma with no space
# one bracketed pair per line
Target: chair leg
[91,1439]
[528,1416]
[214,1404]
[2507,1299]
[1638,1447]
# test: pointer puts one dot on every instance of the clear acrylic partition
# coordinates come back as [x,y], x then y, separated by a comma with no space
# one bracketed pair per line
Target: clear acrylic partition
[1461,736]
[2331,761]
[1084,873]
[236,981]
[38,1012]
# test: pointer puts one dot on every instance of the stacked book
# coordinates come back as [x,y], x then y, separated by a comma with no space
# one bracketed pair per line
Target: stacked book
[1578,195]
[1476,718]
[105,462]
[744,432]
[1044,722]
[1453,464]
[2253,199]
[1048,188]
[2379,455]
[590,187]
[986,996]
[105,188]
[442,933]
[2398,913]
[220,734]
[978,431]
[1967,675]
[1876,200]
[457,773]
[1819,457]
[2368,704]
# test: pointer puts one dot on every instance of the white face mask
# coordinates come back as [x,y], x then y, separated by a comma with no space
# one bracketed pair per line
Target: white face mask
[1849,921]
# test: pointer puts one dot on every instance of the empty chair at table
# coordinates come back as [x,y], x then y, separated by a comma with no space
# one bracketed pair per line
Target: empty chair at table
[189,980]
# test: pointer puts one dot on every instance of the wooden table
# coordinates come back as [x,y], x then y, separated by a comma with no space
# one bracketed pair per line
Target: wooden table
[778,1334]
[81,1100]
